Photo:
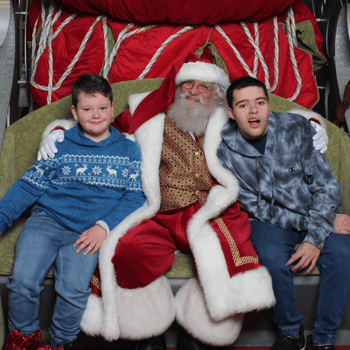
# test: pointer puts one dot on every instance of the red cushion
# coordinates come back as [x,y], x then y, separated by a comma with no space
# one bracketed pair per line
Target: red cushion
[136,51]
[180,11]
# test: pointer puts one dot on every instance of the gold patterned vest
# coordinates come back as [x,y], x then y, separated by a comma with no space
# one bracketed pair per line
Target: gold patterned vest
[184,174]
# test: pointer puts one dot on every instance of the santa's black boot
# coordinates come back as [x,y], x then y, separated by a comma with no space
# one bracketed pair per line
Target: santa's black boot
[155,343]
[186,341]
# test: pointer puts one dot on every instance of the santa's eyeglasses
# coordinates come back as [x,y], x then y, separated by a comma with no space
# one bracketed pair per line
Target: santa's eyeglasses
[201,87]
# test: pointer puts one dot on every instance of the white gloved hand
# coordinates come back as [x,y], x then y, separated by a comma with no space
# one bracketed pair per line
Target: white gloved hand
[47,146]
[320,138]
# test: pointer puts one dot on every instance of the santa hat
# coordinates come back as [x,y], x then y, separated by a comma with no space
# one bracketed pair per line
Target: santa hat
[189,67]
[202,71]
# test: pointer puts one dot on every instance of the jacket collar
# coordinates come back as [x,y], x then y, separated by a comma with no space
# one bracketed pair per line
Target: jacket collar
[235,141]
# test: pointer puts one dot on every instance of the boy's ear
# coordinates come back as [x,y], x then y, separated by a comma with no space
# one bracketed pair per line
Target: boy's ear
[230,113]
[74,112]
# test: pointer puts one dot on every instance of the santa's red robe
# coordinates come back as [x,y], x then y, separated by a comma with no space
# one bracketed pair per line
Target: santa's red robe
[208,309]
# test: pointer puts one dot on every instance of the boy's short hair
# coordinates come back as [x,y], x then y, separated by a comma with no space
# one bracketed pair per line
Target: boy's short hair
[242,83]
[91,84]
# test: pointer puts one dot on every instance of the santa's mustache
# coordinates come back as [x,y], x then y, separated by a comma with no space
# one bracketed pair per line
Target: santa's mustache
[194,98]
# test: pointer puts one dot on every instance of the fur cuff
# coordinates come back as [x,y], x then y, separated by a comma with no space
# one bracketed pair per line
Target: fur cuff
[146,312]
[244,292]
[92,317]
[310,115]
[64,123]
[103,225]
[192,314]
[226,296]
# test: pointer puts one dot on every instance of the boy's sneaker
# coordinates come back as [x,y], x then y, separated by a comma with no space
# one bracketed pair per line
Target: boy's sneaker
[290,343]
[310,345]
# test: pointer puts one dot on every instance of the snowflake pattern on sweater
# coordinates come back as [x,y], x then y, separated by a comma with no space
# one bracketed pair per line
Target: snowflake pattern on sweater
[88,169]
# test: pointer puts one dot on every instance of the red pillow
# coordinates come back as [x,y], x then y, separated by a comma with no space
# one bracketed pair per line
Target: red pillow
[136,52]
[180,11]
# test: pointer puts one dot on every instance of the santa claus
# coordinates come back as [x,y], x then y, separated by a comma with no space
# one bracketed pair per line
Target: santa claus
[191,205]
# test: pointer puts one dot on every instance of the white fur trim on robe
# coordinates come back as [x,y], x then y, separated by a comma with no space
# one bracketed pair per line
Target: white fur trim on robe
[93,315]
[192,314]
[225,295]
[111,292]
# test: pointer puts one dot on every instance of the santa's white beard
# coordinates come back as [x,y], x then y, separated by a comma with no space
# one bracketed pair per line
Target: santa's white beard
[189,116]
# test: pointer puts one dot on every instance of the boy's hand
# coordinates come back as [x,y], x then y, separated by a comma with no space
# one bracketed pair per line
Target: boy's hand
[308,255]
[93,238]
[342,224]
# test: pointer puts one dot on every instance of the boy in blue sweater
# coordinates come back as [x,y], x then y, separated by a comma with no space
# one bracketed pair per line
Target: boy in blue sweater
[78,198]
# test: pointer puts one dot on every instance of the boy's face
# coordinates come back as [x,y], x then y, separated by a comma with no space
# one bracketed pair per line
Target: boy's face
[94,113]
[250,109]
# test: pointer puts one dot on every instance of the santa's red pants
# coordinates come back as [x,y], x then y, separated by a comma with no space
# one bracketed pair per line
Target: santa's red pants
[146,251]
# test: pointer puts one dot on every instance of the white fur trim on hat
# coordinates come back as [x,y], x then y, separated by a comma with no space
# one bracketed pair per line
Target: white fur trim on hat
[202,71]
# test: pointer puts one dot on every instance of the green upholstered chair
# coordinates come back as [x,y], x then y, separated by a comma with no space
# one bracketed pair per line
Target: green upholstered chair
[22,139]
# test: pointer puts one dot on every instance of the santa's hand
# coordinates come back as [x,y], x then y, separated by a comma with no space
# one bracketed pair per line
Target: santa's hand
[320,138]
[47,146]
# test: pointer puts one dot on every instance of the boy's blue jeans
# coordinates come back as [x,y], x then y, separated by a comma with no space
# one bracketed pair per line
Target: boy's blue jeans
[44,243]
[274,246]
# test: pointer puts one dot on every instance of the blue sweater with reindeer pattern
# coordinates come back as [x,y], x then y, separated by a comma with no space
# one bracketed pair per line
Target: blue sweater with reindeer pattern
[87,182]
